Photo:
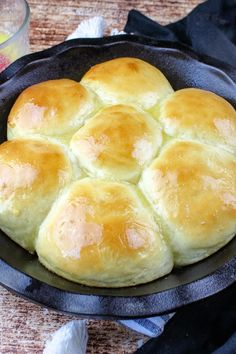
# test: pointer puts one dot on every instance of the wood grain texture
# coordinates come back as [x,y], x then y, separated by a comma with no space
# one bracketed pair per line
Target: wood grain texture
[52,21]
[24,327]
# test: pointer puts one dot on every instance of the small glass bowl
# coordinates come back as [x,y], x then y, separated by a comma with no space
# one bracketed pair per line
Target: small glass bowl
[14,31]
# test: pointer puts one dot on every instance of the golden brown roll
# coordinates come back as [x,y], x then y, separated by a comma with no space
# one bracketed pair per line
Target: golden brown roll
[198,114]
[117,143]
[103,233]
[192,188]
[128,81]
[32,172]
[55,108]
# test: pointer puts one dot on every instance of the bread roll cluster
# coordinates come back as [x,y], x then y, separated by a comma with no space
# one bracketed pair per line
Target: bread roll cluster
[115,180]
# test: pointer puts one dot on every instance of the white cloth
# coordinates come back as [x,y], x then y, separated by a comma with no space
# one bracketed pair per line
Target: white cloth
[93,28]
[71,338]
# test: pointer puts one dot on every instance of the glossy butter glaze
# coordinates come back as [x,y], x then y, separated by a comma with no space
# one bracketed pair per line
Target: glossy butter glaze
[102,233]
[32,172]
[117,143]
[128,81]
[201,115]
[55,108]
[192,188]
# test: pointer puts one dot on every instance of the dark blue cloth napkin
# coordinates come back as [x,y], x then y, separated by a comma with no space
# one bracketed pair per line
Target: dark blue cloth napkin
[210,29]
[208,326]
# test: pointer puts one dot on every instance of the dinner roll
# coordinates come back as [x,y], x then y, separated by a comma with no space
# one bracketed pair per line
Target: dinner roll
[192,188]
[32,172]
[55,108]
[117,143]
[103,233]
[198,114]
[128,81]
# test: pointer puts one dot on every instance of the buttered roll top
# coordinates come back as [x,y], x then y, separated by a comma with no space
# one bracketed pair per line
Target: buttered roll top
[128,81]
[32,173]
[117,143]
[103,233]
[192,188]
[200,115]
[114,180]
[55,108]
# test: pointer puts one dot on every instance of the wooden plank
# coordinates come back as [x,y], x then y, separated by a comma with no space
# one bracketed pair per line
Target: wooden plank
[25,327]
[52,21]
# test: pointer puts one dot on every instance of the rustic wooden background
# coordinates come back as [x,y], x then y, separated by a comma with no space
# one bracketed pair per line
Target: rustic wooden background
[24,327]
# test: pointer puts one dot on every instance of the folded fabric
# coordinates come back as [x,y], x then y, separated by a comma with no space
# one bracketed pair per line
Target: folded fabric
[210,29]
[208,326]
[151,327]
[69,339]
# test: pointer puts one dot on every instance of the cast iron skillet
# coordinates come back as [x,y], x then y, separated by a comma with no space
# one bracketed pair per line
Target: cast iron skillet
[21,272]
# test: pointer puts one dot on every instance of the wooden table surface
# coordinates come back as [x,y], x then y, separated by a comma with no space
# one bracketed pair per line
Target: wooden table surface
[24,327]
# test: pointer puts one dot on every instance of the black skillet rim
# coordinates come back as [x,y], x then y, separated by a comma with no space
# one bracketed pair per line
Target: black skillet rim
[104,306]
